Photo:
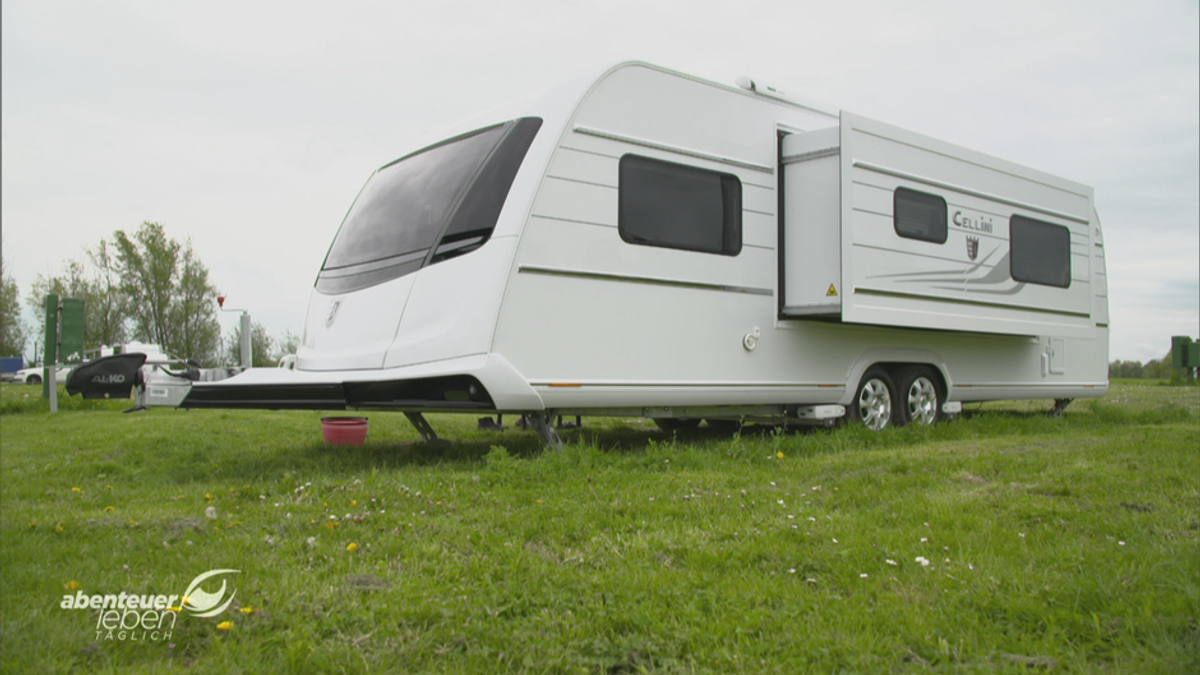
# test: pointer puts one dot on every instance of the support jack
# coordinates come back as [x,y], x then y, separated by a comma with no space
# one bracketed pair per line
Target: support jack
[1060,405]
[428,435]
[543,424]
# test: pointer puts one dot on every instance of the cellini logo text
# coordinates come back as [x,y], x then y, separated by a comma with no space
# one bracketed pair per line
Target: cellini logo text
[151,617]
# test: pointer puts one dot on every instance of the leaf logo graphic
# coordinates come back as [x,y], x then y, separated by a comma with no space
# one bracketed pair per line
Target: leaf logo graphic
[202,603]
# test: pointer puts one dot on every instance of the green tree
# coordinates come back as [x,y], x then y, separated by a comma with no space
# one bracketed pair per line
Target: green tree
[1159,369]
[12,332]
[1126,369]
[261,344]
[98,286]
[146,265]
[289,343]
[106,306]
[171,301]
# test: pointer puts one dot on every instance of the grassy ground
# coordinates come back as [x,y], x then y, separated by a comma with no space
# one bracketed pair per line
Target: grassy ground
[1006,541]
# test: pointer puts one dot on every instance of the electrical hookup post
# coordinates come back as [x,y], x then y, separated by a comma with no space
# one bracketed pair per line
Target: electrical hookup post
[64,342]
[246,330]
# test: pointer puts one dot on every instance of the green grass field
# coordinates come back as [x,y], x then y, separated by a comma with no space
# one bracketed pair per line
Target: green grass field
[1005,541]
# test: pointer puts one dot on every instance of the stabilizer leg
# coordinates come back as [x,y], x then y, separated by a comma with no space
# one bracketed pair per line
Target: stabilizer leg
[543,424]
[428,435]
[1060,404]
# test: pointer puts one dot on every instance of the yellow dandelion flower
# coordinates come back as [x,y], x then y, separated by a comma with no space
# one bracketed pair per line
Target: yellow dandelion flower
[75,489]
[109,509]
[225,625]
[353,502]
[71,585]
[186,601]
[352,547]
[58,527]
[247,610]
[33,523]
[779,455]
[208,496]
[174,609]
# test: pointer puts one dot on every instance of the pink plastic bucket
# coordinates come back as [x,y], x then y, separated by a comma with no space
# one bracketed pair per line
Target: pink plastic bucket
[344,430]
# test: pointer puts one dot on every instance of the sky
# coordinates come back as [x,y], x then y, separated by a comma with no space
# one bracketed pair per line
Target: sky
[249,127]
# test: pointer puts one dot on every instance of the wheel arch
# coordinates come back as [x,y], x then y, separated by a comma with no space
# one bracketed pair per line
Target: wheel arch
[893,361]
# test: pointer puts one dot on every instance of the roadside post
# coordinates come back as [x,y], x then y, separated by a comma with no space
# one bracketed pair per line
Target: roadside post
[64,341]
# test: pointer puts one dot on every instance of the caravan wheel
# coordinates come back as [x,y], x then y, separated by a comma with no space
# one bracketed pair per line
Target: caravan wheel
[922,400]
[873,404]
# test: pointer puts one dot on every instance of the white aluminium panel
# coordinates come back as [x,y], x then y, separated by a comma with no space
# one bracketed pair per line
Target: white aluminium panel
[811,230]
[963,283]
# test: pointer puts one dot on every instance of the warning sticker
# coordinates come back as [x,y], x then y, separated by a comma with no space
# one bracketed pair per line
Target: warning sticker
[832,292]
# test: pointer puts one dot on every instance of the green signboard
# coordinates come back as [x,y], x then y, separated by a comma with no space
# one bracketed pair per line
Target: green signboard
[64,337]
[70,337]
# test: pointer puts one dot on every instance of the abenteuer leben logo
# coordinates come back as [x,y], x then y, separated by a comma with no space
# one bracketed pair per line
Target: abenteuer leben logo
[128,616]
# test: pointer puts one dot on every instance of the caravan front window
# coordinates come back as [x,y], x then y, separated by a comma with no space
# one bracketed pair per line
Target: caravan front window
[431,205]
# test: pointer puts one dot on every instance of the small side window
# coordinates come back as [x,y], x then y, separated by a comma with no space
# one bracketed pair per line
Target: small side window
[679,206]
[919,215]
[1039,252]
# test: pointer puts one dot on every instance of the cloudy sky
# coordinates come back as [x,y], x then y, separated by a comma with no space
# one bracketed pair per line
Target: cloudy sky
[249,127]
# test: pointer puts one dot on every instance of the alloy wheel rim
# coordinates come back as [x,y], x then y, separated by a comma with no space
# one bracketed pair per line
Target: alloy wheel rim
[922,401]
[875,405]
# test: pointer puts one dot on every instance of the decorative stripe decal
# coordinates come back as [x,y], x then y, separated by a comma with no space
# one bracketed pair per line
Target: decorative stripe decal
[966,301]
[601,276]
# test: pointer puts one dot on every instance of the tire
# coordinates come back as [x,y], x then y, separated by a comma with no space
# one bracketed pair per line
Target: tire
[873,403]
[920,397]
[33,379]
[677,423]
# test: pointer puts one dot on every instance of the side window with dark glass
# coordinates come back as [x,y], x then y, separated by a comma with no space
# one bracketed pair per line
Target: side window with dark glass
[1039,252]
[919,215]
[679,206]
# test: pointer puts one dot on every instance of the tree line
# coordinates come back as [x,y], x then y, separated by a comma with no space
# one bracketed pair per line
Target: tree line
[137,286]
[1154,369]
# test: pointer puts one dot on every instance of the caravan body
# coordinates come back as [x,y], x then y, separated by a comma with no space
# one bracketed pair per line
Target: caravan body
[642,242]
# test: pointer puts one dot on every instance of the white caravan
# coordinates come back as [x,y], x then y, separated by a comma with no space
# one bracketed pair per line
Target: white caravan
[641,242]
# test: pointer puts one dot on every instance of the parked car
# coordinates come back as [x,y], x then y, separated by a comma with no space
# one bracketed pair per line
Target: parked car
[34,375]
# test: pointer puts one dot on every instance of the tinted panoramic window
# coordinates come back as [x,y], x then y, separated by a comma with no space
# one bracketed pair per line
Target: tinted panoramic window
[919,215]
[431,205]
[403,206]
[679,206]
[1040,252]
